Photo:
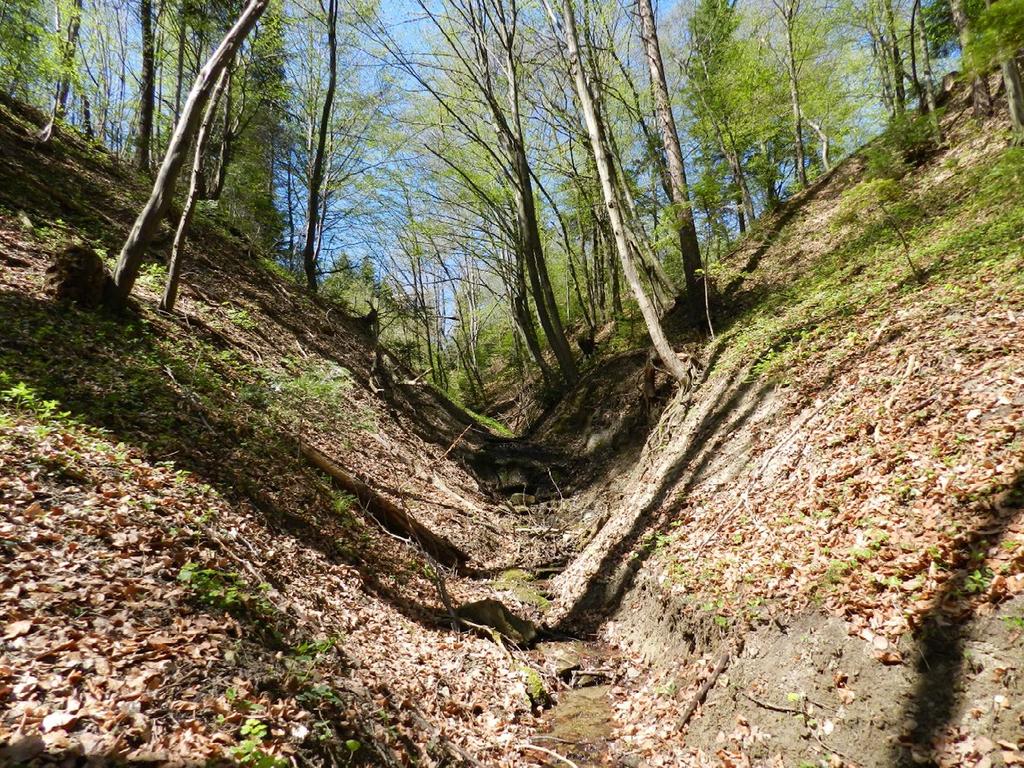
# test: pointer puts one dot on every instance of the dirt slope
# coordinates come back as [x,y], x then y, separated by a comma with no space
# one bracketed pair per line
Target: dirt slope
[173,566]
[842,488]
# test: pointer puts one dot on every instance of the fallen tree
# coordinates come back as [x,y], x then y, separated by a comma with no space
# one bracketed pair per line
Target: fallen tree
[386,512]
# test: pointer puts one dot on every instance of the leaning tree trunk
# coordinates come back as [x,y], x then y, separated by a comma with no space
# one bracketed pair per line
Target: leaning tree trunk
[688,246]
[147,90]
[148,221]
[309,249]
[599,145]
[174,271]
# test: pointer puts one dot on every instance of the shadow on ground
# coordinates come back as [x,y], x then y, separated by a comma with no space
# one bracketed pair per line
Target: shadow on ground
[937,696]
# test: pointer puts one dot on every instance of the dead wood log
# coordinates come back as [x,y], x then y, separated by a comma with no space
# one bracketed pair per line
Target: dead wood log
[389,514]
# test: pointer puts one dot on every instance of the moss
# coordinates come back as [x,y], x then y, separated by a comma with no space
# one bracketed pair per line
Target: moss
[535,687]
[521,584]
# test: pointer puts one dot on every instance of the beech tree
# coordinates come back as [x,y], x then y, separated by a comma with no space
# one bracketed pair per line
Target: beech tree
[181,233]
[566,28]
[148,221]
[688,246]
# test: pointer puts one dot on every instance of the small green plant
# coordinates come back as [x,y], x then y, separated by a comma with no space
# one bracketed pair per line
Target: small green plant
[22,397]
[318,695]
[887,201]
[343,503]
[224,591]
[977,581]
[153,276]
[250,750]
[241,318]
[1014,622]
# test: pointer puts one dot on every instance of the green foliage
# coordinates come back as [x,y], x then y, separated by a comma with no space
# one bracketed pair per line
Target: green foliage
[492,424]
[240,317]
[868,197]
[250,751]
[224,591]
[22,397]
[316,383]
[153,276]
[997,36]
[908,140]
[977,581]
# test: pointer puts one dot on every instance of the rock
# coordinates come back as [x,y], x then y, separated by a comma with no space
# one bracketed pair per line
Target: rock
[521,500]
[493,613]
[535,688]
[563,658]
[26,223]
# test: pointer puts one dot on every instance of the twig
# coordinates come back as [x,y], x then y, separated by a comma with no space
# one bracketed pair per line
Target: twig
[551,753]
[829,748]
[775,707]
[702,693]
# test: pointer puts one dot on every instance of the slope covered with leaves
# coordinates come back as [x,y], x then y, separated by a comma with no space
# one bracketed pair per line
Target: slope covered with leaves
[179,584]
[850,457]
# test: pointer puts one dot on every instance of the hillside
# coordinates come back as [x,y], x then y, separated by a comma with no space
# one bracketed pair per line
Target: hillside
[165,539]
[823,533]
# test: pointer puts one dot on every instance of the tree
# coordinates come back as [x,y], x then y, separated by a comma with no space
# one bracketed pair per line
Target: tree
[999,40]
[788,11]
[688,245]
[148,221]
[147,90]
[68,43]
[566,27]
[980,97]
[309,248]
[181,233]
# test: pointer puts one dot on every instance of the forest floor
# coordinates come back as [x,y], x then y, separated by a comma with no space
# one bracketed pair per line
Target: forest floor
[831,515]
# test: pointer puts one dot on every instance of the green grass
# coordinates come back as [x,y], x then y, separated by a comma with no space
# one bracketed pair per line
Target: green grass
[833,306]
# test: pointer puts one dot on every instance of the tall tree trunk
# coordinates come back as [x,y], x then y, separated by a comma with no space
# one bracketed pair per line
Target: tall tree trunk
[980,97]
[149,218]
[599,146]
[512,137]
[90,133]
[896,60]
[794,96]
[180,71]
[925,83]
[226,146]
[147,90]
[536,268]
[688,246]
[68,44]
[181,233]
[309,249]
[824,144]
[524,322]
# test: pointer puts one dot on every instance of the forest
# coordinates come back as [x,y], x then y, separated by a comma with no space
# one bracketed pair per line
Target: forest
[512,383]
